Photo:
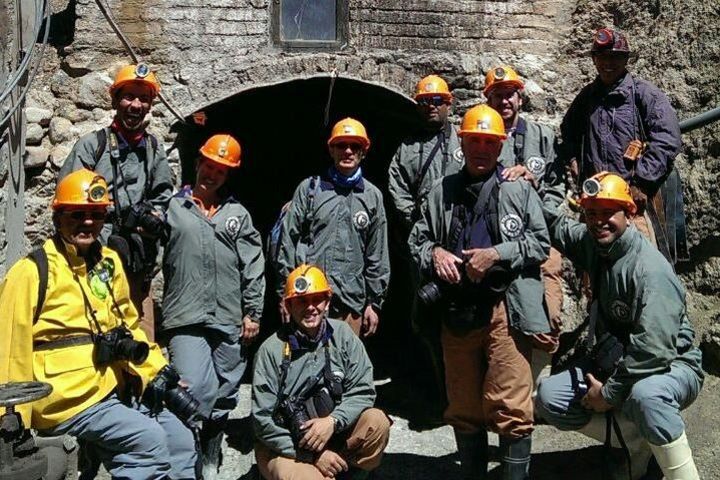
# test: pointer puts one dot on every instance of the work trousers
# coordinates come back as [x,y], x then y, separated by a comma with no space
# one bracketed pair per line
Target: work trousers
[210,361]
[363,448]
[132,443]
[340,312]
[488,378]
[653,405]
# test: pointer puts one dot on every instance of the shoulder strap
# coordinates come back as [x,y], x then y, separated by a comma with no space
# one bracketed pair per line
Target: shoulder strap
[491,211]
[638,117]
[101,139]
[41,261]
[313,188]
[428,161]
[519,147]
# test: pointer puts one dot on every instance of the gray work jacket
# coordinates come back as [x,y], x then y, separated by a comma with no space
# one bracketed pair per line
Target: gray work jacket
[640,300]
[525,243]
[407,185]
[143,171]
[348,359]
[213,267]
[533,145]
[349,241]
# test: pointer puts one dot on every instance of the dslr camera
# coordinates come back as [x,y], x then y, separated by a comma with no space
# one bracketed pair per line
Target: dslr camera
[141,215]
[119,344]
[166,389]
[497,279]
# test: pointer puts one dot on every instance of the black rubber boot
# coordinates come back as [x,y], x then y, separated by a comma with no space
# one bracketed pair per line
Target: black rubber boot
[473,453]
[515,457]
[211,438]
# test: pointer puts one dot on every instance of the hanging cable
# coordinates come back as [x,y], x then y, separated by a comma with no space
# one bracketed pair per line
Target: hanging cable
[35,66]
[333,76]
[131,51]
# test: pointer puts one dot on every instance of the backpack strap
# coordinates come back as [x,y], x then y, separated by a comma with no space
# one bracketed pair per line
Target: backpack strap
[39,256]
[101,140]
[313,188]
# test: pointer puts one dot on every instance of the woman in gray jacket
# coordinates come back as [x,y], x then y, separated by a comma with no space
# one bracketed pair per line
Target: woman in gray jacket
[214,285]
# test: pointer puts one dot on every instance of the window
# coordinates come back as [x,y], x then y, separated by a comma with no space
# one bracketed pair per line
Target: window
[310,23]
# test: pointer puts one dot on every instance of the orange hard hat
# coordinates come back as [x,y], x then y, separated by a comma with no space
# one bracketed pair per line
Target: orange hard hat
[431,86]
[502,76]
[607,187]
[349,129]
[306,280]
[483,120]
[139,73]
[223,149]
[82,188]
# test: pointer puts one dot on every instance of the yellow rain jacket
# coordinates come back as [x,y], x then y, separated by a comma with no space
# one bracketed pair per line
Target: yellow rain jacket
[77,382]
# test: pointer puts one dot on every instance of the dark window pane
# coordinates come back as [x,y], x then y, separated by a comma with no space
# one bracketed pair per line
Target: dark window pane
[308,20]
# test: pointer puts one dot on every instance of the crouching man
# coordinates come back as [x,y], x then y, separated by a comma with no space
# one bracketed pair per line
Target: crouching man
[67,319]
[643,367]
[313,392]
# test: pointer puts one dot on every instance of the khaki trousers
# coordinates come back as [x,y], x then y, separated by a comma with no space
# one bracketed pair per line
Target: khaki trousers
[488,378]
[362,448]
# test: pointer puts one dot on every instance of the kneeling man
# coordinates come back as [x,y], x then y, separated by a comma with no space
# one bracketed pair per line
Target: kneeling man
[313,392]
[643,366]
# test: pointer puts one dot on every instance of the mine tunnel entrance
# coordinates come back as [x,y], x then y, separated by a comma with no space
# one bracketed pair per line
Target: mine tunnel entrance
[283,132]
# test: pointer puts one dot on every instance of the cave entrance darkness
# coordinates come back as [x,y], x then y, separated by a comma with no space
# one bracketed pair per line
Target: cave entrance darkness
[283,134]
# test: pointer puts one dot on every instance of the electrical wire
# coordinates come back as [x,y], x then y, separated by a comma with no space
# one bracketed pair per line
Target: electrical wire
[131,51]
[34,68]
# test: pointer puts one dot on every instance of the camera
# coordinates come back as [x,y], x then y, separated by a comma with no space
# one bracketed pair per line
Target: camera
[141,215]
[165,388]
[497,279]
[292,414]
[119,344]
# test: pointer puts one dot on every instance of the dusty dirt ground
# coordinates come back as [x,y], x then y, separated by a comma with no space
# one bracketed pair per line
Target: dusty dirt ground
[430,454]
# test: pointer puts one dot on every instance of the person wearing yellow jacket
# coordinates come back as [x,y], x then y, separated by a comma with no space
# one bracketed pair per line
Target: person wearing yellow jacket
[83,338]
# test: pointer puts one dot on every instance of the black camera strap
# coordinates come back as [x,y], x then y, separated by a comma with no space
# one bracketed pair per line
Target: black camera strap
[325,374]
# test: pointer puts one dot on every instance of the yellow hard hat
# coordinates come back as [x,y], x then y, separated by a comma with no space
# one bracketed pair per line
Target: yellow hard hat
[82,188]
[222,149]
[306,280]
[607,187]
[431,86]
[483,120]
[502,76]
[139,73]
[349,129]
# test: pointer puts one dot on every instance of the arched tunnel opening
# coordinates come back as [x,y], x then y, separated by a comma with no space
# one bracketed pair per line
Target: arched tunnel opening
[283,129]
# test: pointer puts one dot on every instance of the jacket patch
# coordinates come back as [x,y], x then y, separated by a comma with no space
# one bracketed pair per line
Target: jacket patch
[536,165]
[620,310]
[232,225]
[511,225]
[361,220]
[458,156]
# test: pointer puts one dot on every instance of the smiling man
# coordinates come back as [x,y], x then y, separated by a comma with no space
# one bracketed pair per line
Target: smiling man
[622,124]
[80,334]
[136,168]
[337,221]
[643,367]
[479,243]
[313,393]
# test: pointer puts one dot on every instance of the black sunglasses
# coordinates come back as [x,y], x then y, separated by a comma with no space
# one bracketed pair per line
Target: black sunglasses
[435,101]
[83,214]
[351,145]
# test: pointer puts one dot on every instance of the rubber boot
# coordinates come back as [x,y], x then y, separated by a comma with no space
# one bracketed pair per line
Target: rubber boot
[638,447]
[676,460]
[211,449]
[515,457]
[473,453]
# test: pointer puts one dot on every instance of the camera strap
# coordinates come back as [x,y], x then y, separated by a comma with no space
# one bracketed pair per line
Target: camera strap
[324,374]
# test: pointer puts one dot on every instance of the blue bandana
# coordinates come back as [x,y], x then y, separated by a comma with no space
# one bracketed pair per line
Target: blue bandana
[340,180]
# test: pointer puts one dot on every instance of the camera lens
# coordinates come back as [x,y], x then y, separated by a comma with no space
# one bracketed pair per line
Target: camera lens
[136,352]
[429,293]
[182,403]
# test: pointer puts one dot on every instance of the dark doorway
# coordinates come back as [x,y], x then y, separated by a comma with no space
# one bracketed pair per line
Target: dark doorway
[283,134]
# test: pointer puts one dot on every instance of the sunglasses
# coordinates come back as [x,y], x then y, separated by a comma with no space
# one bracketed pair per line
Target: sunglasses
[83,214]
[435,101]
[345,145]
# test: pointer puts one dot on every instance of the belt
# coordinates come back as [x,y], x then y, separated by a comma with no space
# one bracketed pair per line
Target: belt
[63,343]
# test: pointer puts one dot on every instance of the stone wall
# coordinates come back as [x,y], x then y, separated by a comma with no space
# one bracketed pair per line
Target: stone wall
[206,51]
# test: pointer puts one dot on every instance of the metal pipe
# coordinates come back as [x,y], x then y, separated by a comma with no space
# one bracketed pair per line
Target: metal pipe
[699,121]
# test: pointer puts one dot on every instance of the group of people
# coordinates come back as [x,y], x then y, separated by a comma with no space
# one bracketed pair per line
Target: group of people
[481,213]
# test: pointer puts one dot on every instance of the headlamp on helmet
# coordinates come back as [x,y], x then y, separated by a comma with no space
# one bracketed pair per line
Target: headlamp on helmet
[302,284]
[97,191]
[604,37]
[591,187]
[142,70]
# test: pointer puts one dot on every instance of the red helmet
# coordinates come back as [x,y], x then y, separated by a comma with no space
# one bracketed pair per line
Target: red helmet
[607,39]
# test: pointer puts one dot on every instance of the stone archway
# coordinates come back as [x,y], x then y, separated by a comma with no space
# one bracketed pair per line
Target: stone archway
[283,132]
